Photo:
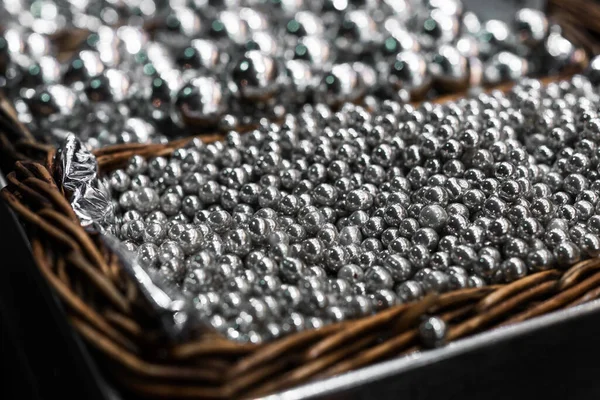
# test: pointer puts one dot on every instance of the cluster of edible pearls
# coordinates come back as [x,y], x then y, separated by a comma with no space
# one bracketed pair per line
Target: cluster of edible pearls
[156,69]
[333,215]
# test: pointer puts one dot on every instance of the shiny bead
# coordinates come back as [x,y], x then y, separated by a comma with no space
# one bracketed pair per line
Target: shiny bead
[351,273]
[435,282]
[292,269]
[432,332]
[200,54]
[463,255]
[399,267]
[383,298]
[531,26]
[409,72]
[377,278]
[590,244]
[256,76]
[409,291]
[111,85]
[433,216]
[438,28]
[449,68]
[201,102]
[566,254]
[419,255]
[170,203]
[170,250]
[513,269]
[540,260]
[146,200]
[147,255]
[340,84]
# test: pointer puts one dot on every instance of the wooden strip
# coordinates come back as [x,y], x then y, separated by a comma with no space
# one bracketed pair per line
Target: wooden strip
[384,350]
[119,148]
[36,220]
[38,200]
[61,271]
[8,109]
[113,161]
[76,231]
[57,198]
[131,291]
[390,347]
[101,282]
[515,287]
[575,273]
[480,320]
[589,296]
[236,387]
[28,145]
[354,330]
[74,301]
[416,311]
[138,365]
[559,300]
[9,150]
[457,313]
[22,171]
[38,171]
[289,343]
[199,348]
[459,296]
[123,322]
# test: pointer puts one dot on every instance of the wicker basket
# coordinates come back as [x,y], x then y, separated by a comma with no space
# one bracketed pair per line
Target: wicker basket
[106,308]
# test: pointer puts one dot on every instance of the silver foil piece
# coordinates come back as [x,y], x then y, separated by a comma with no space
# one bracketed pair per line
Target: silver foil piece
[76,170]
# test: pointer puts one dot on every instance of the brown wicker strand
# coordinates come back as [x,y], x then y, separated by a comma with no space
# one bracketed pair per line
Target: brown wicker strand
[54,195]
[360,327]
[384,350]
[481,320]
[289,343]
[77,233]
[587,297]
[35,220]
[28,193]
[509,290]
[139,366]
[124,323]
[306,371]
[561,299]
[74,301]
[100,281]
[578,271]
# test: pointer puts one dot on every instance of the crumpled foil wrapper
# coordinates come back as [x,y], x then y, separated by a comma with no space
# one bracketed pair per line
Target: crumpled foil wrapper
[76,170]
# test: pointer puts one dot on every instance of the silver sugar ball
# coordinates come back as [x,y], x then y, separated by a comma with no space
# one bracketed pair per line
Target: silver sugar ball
[256,76]
[201,102]
[432,332]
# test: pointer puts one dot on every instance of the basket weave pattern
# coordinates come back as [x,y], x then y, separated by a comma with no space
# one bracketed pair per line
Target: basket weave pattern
[106,308]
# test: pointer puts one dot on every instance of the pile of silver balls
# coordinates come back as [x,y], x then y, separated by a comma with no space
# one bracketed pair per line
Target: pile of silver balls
[172,68]
[333,215]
